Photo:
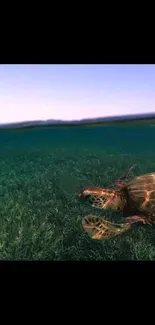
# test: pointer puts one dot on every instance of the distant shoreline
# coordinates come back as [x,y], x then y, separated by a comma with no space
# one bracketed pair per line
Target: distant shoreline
[140,119]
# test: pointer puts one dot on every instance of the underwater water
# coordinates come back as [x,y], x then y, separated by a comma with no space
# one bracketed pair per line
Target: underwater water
[41,173]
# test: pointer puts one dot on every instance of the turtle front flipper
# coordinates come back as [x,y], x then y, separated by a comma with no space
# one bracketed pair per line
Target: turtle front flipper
[98,228]
[126,175]
[123,179]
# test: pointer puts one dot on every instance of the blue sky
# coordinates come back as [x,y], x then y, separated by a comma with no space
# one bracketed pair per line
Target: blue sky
[33,92]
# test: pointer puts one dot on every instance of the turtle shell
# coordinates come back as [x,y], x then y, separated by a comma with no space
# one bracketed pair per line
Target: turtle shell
[141,192]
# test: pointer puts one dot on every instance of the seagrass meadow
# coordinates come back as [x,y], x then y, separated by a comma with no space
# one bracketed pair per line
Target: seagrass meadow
[41,173]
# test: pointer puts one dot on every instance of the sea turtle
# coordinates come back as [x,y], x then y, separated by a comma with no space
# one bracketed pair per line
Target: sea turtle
[135,198]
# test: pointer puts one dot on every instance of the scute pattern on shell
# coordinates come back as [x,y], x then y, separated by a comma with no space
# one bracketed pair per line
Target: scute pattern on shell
[141,190]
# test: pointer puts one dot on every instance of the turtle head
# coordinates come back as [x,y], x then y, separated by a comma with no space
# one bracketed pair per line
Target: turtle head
[102,198]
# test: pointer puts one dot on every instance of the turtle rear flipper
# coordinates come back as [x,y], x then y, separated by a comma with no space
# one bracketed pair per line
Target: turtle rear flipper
[98,228]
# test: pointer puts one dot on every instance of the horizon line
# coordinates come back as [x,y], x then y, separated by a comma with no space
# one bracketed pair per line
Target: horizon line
[83,119]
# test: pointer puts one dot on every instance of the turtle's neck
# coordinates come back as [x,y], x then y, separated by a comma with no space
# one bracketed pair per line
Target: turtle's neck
[122,202]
